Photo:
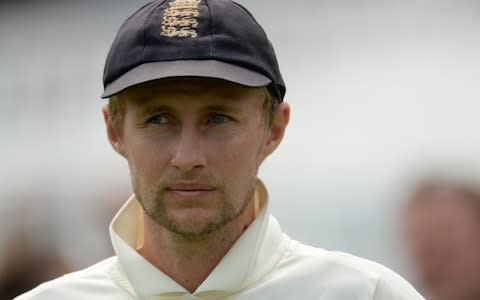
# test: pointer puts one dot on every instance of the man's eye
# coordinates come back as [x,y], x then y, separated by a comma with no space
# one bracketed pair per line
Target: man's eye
[218,119]
[159,120]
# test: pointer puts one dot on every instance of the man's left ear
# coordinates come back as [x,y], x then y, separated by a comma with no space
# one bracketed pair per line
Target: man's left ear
[112,134]
[277,129]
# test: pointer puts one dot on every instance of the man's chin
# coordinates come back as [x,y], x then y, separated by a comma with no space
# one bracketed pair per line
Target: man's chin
[193,226]
[193,231]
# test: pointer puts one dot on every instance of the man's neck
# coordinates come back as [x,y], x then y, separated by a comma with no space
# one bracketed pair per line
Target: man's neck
[189,261]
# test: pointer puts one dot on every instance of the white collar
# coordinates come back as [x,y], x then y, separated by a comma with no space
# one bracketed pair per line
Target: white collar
[252,255]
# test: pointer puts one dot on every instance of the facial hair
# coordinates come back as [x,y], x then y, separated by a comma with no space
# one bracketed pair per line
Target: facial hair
[154,205]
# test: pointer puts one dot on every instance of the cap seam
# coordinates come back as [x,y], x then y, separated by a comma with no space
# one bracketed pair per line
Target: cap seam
[147,20]
[114,40]
[212,40]
[251,16]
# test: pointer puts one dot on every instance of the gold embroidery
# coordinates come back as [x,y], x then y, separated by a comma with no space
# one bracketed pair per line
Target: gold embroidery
[186,22]
[179,20]
[181,13]
[174,32]
[178,4]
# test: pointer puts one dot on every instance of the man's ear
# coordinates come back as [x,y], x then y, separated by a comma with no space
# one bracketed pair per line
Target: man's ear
[277,129]
[113,136]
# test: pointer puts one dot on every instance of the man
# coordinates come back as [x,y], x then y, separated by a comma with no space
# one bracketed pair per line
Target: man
[443,230]
[196,105]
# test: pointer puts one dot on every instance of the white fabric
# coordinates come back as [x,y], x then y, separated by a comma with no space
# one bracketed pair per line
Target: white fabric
[263,264]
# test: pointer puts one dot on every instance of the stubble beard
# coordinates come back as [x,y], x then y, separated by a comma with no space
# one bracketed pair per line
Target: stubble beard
[153,203]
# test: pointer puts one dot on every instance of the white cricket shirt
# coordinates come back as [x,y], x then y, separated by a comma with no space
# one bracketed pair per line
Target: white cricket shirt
[263,264]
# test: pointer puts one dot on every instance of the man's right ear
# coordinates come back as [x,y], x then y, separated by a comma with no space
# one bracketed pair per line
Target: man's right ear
[113,136]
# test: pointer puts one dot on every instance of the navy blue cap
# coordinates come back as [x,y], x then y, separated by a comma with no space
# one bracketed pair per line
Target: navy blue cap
[192,38]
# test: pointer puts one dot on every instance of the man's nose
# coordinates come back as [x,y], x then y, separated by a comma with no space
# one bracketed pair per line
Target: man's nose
[189,152]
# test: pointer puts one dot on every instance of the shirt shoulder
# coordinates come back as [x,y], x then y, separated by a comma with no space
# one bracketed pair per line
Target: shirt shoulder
[94,282]
[344,275]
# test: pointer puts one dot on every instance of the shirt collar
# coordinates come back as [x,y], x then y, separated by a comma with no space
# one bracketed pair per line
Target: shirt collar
[250,257]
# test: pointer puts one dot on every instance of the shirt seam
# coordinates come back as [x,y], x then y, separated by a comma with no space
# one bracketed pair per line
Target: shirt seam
[255,280]
[121,280]
[377,283]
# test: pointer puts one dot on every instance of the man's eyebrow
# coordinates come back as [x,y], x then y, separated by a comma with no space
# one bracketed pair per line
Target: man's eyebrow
[154,108]
[220,107]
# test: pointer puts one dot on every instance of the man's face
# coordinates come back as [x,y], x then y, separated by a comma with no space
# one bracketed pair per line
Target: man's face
[194,148]
[444,236]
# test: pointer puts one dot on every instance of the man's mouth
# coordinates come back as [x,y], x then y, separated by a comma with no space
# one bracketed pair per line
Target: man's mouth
[190,186]
[190,189]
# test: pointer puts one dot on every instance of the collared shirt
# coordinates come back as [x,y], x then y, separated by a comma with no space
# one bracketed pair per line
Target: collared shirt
[264,263]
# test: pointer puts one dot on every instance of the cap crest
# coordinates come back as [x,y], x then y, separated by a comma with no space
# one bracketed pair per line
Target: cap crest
[179,20]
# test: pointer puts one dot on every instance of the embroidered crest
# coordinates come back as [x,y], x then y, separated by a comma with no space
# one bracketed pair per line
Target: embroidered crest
[180,19]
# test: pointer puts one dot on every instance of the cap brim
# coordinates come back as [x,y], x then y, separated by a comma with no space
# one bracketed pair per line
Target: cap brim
[182,68]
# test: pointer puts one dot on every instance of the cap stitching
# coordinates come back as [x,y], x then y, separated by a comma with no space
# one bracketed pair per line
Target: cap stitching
[276,71]
[107,61]
[212,40]
[147,20]
[251,16]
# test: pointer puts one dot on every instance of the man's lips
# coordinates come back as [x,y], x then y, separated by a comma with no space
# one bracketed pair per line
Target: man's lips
[184,186]
[190,190]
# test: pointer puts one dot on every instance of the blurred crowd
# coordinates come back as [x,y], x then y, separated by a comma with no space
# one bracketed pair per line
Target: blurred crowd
[442,226]
[39,242]
[27,264]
